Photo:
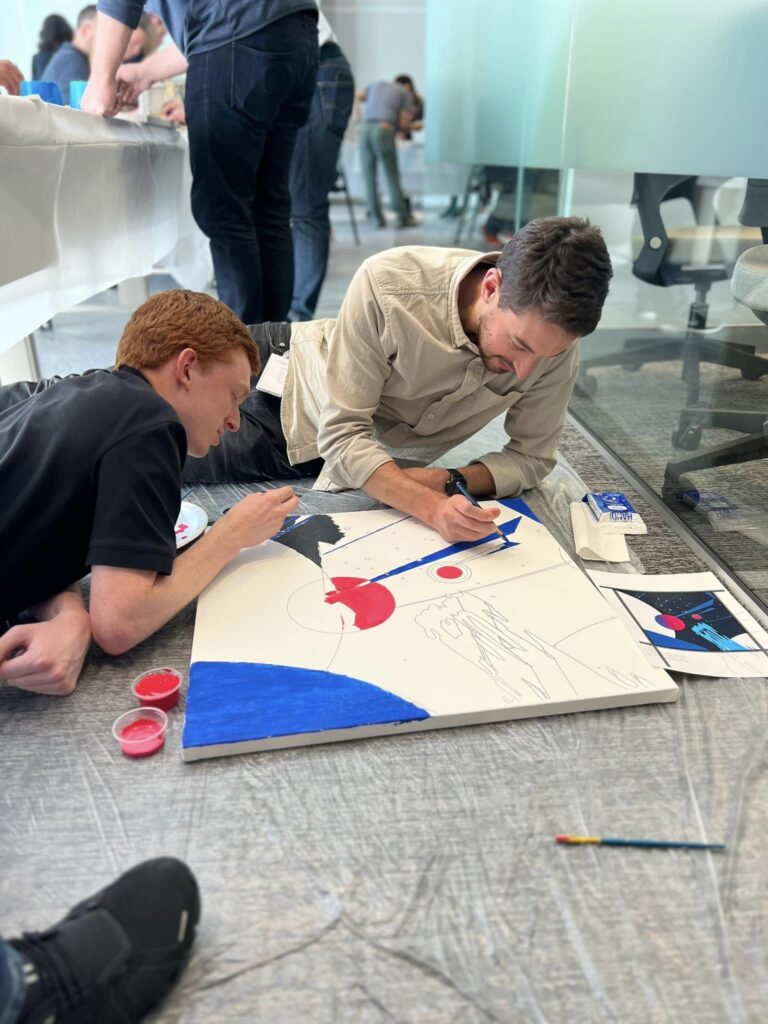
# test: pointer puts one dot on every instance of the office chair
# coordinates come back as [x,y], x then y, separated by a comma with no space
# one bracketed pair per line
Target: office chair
[480,183]
[749,286]
[670,258]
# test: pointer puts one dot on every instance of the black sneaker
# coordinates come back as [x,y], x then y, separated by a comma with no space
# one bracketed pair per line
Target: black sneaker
[115,955]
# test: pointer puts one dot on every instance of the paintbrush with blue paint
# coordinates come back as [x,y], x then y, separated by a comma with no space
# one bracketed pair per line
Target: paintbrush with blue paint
[470,497]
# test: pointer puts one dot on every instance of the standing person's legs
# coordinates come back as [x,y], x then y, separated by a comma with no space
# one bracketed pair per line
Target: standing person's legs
[385,145]
[368,162]
[272,201]
[237,97]
[13,987]
[313,172]
[225,150]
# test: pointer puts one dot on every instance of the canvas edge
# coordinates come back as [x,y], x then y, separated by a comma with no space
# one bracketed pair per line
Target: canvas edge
[663,695]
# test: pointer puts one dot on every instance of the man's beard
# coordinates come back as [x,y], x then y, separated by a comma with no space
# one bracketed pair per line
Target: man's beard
[482,337]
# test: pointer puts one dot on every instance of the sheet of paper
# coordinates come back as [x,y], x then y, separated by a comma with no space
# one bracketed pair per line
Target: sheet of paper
[591,542]
[688,622]
[272,379]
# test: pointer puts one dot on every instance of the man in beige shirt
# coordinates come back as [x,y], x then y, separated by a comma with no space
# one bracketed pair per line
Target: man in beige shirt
[430,345]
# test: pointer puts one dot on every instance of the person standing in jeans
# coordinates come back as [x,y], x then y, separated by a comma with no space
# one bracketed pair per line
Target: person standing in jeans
[314,169]
[385,112]
[251,72]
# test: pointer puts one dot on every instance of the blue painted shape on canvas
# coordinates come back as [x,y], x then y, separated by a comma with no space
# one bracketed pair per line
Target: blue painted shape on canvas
[232,701]
[662,640]
[450,551]
[518,505]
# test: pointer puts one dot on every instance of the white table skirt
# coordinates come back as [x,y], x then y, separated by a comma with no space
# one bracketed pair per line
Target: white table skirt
[87,202]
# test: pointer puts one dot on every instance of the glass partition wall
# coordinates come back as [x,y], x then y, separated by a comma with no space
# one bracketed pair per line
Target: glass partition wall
[646,119]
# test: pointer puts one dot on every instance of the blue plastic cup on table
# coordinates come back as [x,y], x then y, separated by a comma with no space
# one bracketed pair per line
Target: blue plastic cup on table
[76,90]
[49,92]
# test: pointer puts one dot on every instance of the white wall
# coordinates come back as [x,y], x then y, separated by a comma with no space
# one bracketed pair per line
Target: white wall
[381,38]
[20,22]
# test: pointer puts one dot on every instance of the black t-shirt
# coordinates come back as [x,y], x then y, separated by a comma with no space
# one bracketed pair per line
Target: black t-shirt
[90,473]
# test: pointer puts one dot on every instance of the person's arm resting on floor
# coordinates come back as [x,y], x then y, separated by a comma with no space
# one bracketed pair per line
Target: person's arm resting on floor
[47,656]
[359,356]
[128,605]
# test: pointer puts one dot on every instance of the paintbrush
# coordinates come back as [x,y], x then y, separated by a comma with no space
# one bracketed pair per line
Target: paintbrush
[476,503]
[665,844]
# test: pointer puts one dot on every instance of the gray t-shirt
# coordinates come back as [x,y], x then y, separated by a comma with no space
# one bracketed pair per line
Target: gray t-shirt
[67,65]
[384,101]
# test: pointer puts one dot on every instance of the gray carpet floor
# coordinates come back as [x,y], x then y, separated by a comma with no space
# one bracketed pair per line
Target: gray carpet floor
[635,413]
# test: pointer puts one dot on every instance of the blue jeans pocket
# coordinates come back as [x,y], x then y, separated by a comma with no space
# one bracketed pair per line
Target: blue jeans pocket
[260,80]
[336,98]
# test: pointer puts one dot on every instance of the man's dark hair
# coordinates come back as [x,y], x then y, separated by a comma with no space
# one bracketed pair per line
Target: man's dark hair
[560,268]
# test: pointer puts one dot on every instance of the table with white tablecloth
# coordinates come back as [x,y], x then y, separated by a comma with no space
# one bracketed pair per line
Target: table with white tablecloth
[85,203]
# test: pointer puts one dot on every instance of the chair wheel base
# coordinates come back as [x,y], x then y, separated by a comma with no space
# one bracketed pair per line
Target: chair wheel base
[688,437]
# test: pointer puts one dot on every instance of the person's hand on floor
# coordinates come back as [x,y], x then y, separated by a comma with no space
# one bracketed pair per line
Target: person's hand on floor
[46,657]
[10,77]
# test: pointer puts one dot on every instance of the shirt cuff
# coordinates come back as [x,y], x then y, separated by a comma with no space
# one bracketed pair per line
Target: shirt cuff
[507,479]
[357,464]
[131,558]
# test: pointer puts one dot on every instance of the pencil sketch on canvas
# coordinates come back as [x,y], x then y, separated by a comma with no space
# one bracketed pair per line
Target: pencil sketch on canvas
[367,623]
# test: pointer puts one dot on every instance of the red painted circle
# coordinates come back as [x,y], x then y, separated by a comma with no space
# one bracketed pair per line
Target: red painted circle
[449,572]
[371,602]
[671,622]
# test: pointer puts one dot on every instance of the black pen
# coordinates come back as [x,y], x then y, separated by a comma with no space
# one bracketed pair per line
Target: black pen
[476,503]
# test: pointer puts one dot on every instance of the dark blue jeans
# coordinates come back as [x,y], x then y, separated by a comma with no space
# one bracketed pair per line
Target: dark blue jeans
[245,103]
[313,173]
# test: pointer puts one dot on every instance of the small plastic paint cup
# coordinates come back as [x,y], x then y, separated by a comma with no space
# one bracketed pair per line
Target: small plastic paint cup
[140,732]
[157,688]
[49,92]
[76,91]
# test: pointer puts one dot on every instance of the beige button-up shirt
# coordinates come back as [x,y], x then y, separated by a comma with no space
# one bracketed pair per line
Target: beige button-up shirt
[396,377]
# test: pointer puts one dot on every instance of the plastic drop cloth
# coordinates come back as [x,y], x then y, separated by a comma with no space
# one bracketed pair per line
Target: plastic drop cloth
[415,879]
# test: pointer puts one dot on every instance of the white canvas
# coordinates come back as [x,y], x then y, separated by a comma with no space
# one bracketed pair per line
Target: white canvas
[688,622]
[465,634]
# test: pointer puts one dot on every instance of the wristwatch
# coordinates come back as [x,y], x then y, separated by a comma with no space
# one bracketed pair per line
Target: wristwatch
[454,478]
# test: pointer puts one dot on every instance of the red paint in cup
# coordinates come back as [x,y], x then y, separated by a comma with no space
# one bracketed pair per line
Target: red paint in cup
[158,688]
[140,732]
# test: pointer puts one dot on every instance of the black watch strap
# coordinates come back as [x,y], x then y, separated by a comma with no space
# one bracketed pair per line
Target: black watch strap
[454,478]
